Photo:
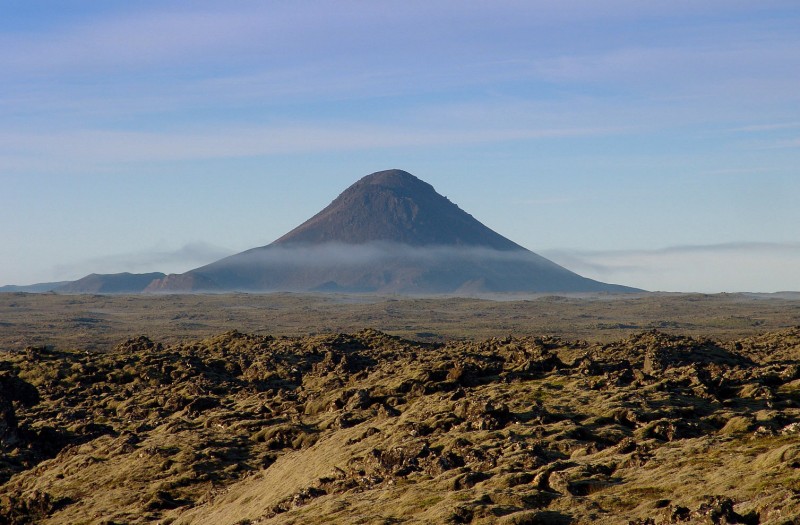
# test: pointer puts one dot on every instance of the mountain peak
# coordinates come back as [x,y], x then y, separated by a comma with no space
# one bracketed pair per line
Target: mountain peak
[395,206]
[393,179]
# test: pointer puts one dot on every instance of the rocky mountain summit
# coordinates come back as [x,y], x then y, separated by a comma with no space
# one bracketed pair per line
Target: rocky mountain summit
[368,428]
[395,206]
[389,232]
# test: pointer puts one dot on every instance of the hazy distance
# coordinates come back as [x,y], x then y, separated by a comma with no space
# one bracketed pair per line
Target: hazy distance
[654,144]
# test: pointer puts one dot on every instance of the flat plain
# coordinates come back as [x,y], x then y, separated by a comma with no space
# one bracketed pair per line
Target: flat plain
[97,322]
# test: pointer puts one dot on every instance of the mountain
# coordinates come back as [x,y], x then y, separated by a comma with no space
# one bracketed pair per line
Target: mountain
[389,232]
[111,283]
[395,206]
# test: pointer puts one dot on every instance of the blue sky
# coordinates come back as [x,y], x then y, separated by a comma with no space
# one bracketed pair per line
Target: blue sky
[654,144]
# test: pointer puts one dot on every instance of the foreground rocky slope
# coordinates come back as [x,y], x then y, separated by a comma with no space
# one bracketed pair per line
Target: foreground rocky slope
[368,428]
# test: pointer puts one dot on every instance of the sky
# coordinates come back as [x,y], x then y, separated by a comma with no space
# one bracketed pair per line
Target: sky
[654,144]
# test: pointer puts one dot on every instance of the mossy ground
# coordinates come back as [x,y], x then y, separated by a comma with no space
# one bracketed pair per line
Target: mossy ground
[371,428]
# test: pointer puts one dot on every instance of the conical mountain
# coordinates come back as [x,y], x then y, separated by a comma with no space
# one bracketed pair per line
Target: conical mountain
[395,206]
[390,232]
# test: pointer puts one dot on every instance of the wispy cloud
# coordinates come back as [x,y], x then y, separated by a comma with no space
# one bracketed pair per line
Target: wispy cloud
[731,267]
[726,172]
[179,260]
[768,127]
[133,38]
[793,143]
[98,147]
[752,246]
[682,69]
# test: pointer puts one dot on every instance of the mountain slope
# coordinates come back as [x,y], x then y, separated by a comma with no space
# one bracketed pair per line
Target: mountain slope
[33,288]
[390,233]
[110,283]
[395,206]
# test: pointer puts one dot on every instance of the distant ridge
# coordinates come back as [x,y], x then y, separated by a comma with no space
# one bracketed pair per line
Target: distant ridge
[93,283]
[33,288]
[111,283]
[390,232]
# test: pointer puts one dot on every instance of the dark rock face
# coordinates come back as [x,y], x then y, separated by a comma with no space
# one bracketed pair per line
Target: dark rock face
[8,423]
[390,232]
[12,388]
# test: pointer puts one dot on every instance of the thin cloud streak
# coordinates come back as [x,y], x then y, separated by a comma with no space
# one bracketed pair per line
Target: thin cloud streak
[133,40]
[95,146]
[275,64]
[752,266]
[694,248]
[661,67]
[180,260]
[768,127]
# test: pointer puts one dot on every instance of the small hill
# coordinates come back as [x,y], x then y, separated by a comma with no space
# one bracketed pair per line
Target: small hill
[33,288]
[111,283]
[390,232]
